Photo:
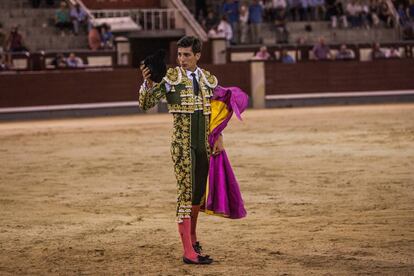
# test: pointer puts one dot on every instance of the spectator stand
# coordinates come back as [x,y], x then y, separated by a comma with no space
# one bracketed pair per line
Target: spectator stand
[314,24]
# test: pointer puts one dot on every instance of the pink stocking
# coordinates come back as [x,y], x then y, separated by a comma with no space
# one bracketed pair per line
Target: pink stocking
[195,209]
[184,228]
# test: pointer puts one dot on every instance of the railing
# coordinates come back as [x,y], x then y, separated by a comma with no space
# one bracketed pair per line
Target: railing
[148,19]
[196,27]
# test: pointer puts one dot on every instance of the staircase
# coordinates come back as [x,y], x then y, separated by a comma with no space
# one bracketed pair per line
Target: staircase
[322,28]
[36,27]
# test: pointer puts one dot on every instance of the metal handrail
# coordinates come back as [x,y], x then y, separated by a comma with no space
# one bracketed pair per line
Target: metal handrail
[190,19]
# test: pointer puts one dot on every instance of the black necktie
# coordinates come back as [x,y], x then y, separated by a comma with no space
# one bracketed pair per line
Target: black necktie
[195,84]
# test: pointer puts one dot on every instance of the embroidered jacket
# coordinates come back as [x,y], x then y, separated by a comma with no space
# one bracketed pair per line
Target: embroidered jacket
[180,97]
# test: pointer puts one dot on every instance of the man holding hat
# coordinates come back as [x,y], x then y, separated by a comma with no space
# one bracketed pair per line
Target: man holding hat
[188,90]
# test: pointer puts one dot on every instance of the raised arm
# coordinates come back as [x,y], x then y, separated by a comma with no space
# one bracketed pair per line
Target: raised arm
[150,93]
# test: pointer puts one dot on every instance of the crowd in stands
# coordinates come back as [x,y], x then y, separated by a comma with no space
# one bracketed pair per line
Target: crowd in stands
[322,52]
[76,19]
[68,21]
[72,61]
[240,21]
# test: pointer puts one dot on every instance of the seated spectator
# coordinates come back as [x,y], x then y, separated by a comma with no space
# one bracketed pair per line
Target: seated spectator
[344,53]
[377,52]
[262,54]
[216,33]
[74,62]
[321,51]
[107,38]
[79,18]
[94,38]
[286,58]
[59,61]
[14,42]
[62,18]
[225,27]
[393,53]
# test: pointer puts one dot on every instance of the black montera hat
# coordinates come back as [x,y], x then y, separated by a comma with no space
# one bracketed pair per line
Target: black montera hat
[156,64]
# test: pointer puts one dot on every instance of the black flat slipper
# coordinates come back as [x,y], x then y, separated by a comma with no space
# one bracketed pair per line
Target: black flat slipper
[201,260]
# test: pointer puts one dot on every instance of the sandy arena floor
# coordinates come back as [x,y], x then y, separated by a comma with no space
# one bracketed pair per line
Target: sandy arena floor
[329,191]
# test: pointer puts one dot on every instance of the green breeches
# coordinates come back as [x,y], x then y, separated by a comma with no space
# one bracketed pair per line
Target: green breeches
[199,157]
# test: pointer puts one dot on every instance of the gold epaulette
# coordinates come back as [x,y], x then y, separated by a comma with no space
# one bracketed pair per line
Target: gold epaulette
[209,79]
[173,76]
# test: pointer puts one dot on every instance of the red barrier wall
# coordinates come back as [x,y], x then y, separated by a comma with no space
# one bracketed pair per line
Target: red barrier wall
[82,86]
[339,76]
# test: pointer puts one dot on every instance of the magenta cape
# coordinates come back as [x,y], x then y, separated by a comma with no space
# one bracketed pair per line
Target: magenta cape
[223,195]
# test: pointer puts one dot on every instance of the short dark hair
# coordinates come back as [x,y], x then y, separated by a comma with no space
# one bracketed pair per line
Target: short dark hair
[190,41]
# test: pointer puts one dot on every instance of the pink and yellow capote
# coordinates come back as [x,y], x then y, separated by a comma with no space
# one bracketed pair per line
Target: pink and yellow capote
[223,195]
